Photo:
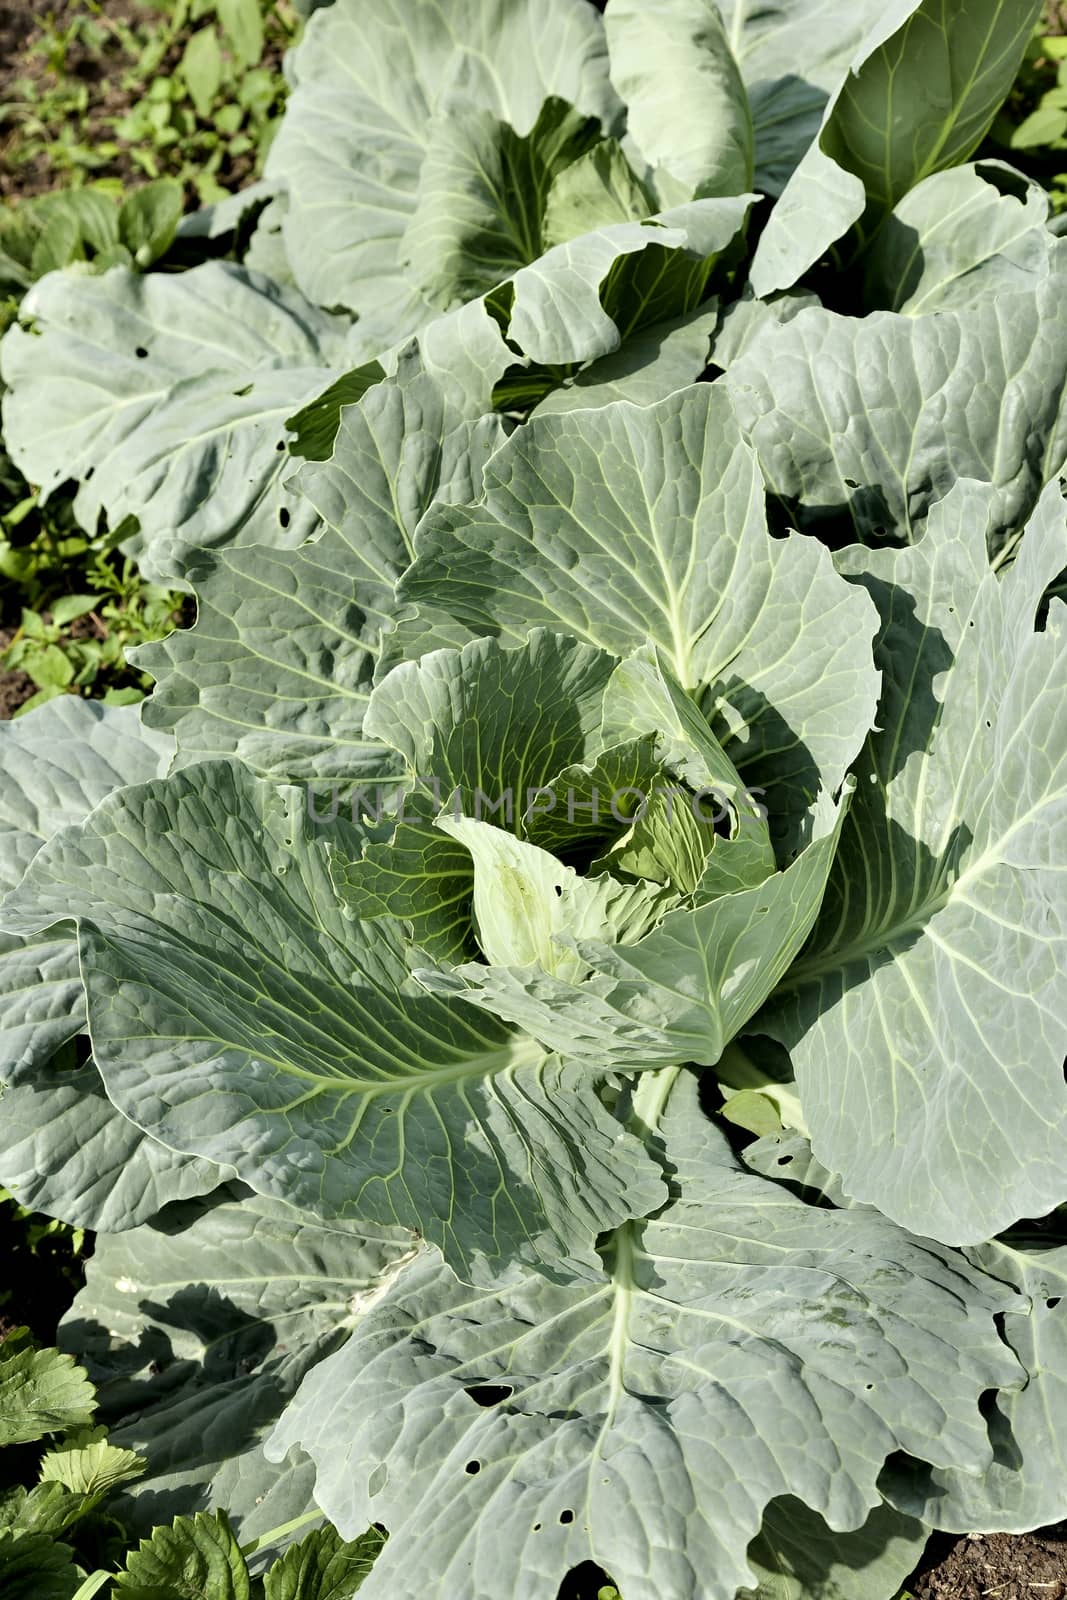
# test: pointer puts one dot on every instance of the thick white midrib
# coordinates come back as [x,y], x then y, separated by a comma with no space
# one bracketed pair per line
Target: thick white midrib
[650,1098]
[737,28]
[520,1052]
[622,1285]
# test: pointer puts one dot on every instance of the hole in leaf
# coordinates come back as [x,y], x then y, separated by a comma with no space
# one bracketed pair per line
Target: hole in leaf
[1053,1302]
[472,1467]
[1003,180]
[783,1161]
[565,1517]
[583,1582]
[140,352]
[284,517]
[490,1394]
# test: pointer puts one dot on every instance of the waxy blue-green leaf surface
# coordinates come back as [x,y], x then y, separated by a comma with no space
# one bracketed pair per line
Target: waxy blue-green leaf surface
[920,96]
[279,667]
[166,397]
[797,1555]
[370,75]
[743,1346]
[927,1019]
[862,424]
[960,238]
[220,970]
[792,55]
[64,1148]
[579,301]
[625,524]
[199,1329]
[687,109]
[1025,1486]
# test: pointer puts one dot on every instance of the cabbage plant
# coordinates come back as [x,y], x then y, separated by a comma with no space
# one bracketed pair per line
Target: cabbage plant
[557,1006]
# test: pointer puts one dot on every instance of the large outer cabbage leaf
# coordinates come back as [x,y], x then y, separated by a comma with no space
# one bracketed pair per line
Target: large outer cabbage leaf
[199,1329]
[743,1346]
[279,666]
[960,238]
[166,397]
[1026,1487]
[238,1015]
[866,422]
[58,762]
[687,109]
[792,55]
[369,76]
[927,1020]
[64,1148]
[921,95]
[627,524]
[796,1556]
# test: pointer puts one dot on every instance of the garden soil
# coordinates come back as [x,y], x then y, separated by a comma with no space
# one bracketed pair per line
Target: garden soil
[110,84]
[998,1566]
[19,21]
[15,687]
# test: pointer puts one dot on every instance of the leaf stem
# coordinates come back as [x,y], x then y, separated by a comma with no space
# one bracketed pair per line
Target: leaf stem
[273,1534]
[93,1585]
[649,1099]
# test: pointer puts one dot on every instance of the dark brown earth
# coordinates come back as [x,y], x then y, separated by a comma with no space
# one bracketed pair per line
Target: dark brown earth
[19,21]
[101,72]
[1030,1566]
[15,687]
